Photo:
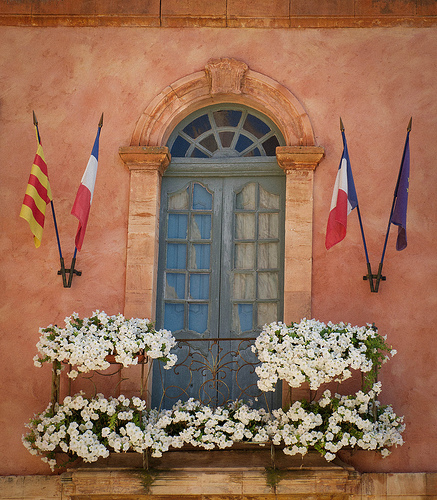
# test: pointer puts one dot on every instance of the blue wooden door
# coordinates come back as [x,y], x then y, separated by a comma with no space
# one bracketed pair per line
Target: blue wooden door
[220,275]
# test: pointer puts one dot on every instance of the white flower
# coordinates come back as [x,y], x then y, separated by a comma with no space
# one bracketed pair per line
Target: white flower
[315,352]
[86,343]
[300,428]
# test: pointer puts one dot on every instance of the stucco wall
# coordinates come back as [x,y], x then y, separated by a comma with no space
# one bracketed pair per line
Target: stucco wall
[374,79]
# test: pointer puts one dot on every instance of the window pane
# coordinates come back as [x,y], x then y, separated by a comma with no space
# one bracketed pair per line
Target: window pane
[175,286]
[202,199]
[244,226]
[246,198]
[270,146]
[268,255]
[198,154]
[179,201]
[199,286]
[268,200]
[268,285]
[268,225]
[256,126]
[226,139]
[177,226]
[243,143]
[174,317]
[180,147]
[198,317]
[209,143]
[201,227]
[227,118]
[176,256]
[198,126]
[245,255]
[200,256]
[244,286]
[267,313]
[242,317]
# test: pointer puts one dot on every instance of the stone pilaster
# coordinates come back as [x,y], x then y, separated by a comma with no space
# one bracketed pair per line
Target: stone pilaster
[299,163]
[146,165]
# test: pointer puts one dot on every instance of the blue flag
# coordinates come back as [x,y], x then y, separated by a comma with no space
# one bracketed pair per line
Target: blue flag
[399,215]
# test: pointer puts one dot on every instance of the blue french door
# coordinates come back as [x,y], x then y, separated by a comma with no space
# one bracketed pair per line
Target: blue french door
[220,279]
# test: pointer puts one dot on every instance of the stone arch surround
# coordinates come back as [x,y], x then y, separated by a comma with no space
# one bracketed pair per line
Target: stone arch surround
[223,80]
[147,157]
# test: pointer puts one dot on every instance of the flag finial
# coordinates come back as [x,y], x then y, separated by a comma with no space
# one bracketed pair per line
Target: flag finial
[101,121]
[35,121]
[341,125]
[409,124]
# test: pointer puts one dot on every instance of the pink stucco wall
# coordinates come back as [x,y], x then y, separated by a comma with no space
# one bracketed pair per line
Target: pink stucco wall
[374,78]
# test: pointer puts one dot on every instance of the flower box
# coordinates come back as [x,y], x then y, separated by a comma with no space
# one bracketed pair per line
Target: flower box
[307,352]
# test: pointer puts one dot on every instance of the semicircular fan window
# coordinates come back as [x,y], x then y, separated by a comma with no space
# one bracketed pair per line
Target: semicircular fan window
[225,131]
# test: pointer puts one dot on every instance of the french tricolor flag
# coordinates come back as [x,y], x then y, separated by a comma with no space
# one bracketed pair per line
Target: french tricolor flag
[84,196]
[344,200]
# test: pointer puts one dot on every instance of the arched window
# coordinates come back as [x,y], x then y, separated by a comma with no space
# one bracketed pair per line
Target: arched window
[225,131]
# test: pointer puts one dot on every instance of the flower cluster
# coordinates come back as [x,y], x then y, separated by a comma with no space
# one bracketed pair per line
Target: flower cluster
[86,428]
[92,428]
[85,343]
[202,426]
[317,353]
[336,422]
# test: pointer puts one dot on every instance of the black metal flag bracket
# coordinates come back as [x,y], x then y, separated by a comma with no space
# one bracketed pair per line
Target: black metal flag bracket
[71,272]
[374,287]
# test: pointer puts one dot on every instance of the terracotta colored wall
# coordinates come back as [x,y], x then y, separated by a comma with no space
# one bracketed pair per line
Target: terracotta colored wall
[375,79]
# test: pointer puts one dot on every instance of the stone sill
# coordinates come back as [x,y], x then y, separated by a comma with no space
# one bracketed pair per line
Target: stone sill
[239,471]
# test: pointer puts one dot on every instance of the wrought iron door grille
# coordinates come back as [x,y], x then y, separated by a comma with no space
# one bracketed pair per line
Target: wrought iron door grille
[213,371]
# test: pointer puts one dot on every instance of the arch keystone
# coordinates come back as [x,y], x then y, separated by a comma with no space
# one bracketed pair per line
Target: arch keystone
[225,75]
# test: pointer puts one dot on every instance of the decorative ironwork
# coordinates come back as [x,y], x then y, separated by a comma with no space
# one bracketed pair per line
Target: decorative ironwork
[212,374]
[213,371]
[130,381]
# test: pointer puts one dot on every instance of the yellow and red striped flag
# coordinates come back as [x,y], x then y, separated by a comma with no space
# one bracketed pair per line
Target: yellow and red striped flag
[38,194]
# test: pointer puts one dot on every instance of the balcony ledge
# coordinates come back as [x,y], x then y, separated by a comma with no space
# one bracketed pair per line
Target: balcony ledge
[193,473]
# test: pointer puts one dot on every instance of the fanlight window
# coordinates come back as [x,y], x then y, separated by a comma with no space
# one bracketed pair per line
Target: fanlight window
[225,131]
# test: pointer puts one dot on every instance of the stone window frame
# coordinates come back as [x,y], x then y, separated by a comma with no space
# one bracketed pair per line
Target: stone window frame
[222,80]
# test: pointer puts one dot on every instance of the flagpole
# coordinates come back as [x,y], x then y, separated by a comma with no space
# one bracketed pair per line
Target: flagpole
[72,270]
[369,275]
[379,276]
[62,271]
[61,259]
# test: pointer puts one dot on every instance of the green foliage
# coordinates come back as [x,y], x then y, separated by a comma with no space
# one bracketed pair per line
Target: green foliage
[148,477]
[274,476]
